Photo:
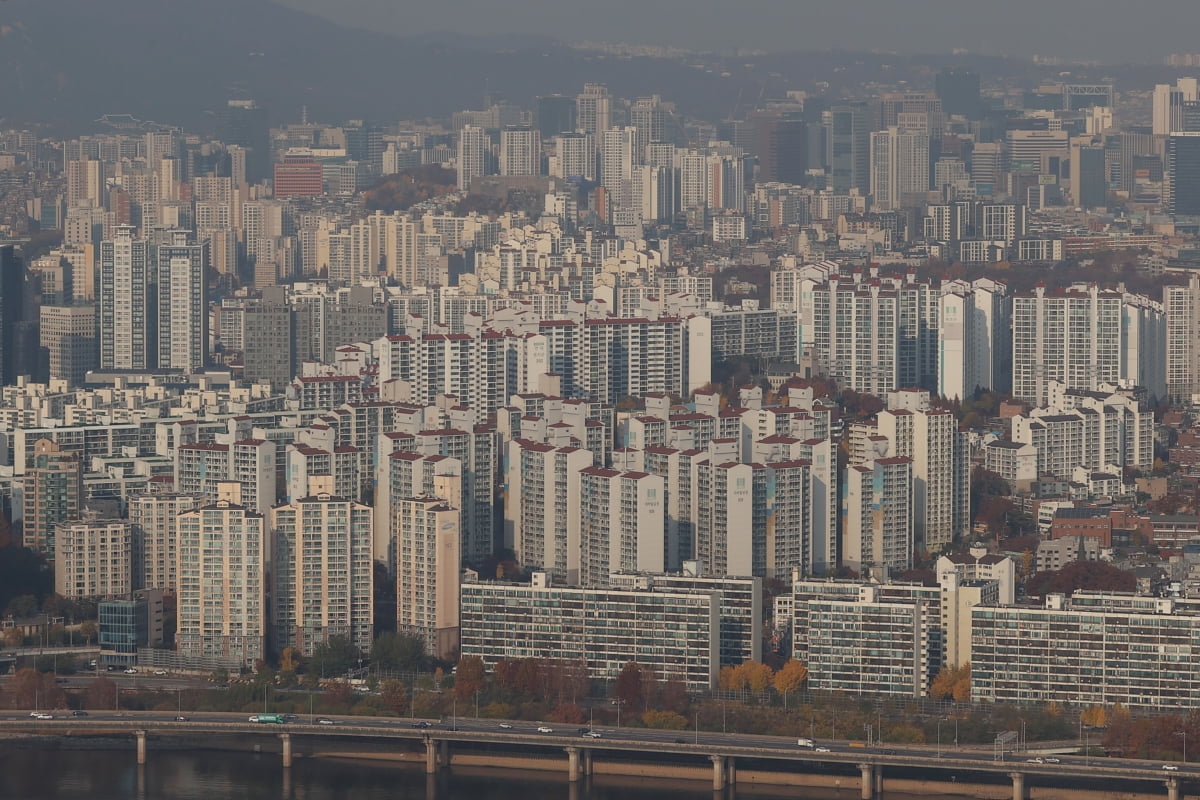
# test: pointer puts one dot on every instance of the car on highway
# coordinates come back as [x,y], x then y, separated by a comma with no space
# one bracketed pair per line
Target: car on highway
[1171,767]
[423,724]
[326,721]
[160,672]
[1035,761]
[41,715]
[79,713]
[545,729]
[822,750]
[181,718]
[506,725]
[130,671]
[593,734]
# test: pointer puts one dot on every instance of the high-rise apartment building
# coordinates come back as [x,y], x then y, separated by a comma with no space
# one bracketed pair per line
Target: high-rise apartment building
[222,599]
[541,510]
[575,156]
[53,493]
[520,151]
[593,110]
[68,335]
[93,558]
[877,515]
[127,330]
[427,573]
[321,575]
[155,530]
[1085,336]
[182,304]
[474,151]
[621,525]
[899,168]
[1181,306]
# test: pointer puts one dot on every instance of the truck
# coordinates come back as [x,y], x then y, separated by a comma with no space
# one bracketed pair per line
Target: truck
[805,743]
[277,719]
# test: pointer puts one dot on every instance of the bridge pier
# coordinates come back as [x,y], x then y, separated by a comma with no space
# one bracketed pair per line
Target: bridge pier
[1018,779]
[867,784]
[574,772]
[431,756]
[587,762]
[718,763]
[444,754]
[286,740]
[141,746]
[731,771]
[1173,789]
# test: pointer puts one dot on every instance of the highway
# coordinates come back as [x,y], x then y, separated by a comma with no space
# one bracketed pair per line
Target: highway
[527,734]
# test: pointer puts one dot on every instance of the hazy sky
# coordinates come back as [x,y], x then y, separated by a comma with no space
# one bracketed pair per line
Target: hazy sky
[1104,30]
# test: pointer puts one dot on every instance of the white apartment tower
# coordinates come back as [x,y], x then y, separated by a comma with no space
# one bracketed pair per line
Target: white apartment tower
[126,274]
[520,151]
[322,571]
[156,549]
[899,166]
[182,304]
[622,524]
[93,558]
[222,603]
[427,575]
[1181,306]
[574,156]
[877,524]
[593,109]
[541,512]
[474,147]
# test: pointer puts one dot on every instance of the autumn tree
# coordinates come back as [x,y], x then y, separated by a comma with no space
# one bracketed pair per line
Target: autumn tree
[101,694]
[29,688]
[289,660]
[758,676]
[790,678]
[394,695]
[665,720]
[469,677]
[1095,716]
[629,685]
[962,684]
[952,683]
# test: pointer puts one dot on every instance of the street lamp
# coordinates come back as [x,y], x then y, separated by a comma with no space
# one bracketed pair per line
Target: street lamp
[697,726]
[1184,735]
[940,721]
[1024,740]
[867,728]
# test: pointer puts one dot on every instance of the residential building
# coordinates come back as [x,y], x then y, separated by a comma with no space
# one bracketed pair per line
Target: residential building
[53,493]
[155,531]
[93,558]
[877,515]
[427,573]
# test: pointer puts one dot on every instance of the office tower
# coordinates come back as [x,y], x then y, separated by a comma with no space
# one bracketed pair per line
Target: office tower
[1031,151]
[850,128]
[85,183]
[541,512]
[222,600]
[555,115]
[958,89]
[782,148]
[322,571]
[1082,337]
[127,272]
[941,478]
[69,337]
[593,110]
[156,551]
[899,168]
[1182,186]
[520,151]
[649,117]
[622,524]
[575,156]
[245,125]
[182,304]
[1089,187]
[1181,306]
[1167,105]
[53,493]
[913,110]
[877,515]
[474,147]
[427,573]
[93,558]
[299,176]
[12,305]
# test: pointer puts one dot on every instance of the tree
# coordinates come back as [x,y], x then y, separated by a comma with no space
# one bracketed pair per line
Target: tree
[790,678]
[101,694]
[333,657]
[1081,575]
[29,688]
[1095,716]
[339,694]
[22,607]
[962,684]
[758,676]
[942,687]
[665,720]
[629,685]
[394,696]
[89,630]
[289,660]
[399,652]
[469,677]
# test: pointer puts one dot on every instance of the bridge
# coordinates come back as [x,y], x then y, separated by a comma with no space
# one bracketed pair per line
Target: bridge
[581,747]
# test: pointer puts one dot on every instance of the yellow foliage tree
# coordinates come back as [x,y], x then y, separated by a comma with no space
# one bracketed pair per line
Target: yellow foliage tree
[665,720]
[962,684]
[942,687]
[791,677]
[757,676]
[1094,716]
[730,678]
[288,660]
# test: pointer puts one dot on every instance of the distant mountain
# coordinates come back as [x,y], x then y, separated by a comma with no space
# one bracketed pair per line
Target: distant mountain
[67,62]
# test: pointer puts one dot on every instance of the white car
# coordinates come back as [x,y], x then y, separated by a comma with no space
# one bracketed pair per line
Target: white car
[1171,767]
[822,750]
[326,721]
[545,729]
[593,734]
[507,726]
[130,671]
[160,672]
[42,715]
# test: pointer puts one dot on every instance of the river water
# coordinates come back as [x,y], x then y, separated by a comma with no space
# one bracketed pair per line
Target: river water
[34,774]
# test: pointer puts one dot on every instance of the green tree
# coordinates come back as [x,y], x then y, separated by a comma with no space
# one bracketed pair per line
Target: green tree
[399,652]
[88,631]
[333,657]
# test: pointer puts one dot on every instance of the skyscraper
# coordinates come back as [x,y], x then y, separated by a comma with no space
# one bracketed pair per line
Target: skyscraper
[68,335]
[1183,174]
[555,115]
[182,304]
[899,167]
[245,125]
[427,573]
[850,147]
[126,293]
[782,145]
[593,110]
[958,89]
[1168,104]
[12,303]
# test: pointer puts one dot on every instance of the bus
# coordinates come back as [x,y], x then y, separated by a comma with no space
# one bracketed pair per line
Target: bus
[277,719]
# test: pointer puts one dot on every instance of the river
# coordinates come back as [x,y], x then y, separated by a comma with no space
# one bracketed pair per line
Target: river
[44,774]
